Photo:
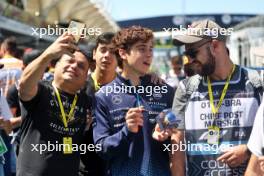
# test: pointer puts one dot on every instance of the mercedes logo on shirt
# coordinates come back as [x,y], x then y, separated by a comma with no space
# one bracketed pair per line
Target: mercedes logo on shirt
[116,99]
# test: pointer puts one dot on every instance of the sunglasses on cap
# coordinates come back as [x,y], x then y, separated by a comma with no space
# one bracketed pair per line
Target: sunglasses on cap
[192,53]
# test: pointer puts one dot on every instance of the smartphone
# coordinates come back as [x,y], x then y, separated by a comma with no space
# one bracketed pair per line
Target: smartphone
[77,30]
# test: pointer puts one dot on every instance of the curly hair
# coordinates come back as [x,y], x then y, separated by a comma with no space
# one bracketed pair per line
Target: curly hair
[127,37]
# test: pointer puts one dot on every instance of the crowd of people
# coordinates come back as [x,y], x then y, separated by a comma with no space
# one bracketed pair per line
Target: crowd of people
[93,111]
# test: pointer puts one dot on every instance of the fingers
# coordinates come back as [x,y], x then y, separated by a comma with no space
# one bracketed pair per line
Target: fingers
[134,119]
[137,109]
[5,125]
[160,135]
[261,165]
[135,122]
[232,161]
[157,128]
[69,46]
[65,44]
[169,132]
[224,156]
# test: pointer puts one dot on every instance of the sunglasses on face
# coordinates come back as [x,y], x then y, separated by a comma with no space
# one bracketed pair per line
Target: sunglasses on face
[192,53]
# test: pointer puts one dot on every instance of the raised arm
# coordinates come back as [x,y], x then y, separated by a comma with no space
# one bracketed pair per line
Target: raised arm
[35,70]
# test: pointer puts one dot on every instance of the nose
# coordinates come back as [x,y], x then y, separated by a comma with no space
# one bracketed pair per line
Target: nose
[150,53]
[107,53]
[74,65]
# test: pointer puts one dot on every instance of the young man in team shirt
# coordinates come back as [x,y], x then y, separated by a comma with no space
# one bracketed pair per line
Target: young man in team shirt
[125,118]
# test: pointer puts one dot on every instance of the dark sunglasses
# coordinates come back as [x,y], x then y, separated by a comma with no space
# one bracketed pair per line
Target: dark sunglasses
[192,53]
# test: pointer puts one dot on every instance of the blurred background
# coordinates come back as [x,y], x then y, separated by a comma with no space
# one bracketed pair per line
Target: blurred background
[20,18]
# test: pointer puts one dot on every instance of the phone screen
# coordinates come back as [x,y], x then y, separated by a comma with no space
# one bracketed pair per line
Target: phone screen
[77,30]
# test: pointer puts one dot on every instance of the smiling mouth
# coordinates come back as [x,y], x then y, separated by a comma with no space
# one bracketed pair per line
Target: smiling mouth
[72,73]
[146,63]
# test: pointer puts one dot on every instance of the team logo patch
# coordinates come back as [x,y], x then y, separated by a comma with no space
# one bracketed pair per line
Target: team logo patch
[152,121]
[116,99]
[157,95]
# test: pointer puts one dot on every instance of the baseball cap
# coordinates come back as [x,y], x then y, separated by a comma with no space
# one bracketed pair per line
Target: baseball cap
[197,31]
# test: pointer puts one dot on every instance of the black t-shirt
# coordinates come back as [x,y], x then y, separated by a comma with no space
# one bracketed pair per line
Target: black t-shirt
[13,100]
[91,164]
[42,126]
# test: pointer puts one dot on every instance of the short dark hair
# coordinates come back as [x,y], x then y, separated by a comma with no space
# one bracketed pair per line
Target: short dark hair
[127,37]
[177,60]
[10,45]
[30,56]
[104,38]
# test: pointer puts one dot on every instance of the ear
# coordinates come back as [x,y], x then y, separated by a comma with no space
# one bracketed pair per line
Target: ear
[215,46]
[94,50]
[122,54]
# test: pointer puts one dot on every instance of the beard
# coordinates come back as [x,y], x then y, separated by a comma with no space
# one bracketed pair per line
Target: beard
[196,67]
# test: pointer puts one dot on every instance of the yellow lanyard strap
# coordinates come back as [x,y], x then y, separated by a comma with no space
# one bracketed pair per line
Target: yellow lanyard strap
[70,115]
[215,110]
[96,85]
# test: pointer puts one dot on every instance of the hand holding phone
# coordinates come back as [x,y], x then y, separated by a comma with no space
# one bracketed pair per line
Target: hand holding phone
[77,30]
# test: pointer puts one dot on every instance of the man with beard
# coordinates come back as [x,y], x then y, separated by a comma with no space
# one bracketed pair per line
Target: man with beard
[217,106]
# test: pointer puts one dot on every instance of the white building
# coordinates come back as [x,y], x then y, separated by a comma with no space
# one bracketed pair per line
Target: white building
[246,43]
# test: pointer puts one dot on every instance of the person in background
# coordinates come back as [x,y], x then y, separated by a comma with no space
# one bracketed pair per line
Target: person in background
[176,74]
[256,145]
[9,51]
[4,128]
[11,72]
[13,102]
[104,73]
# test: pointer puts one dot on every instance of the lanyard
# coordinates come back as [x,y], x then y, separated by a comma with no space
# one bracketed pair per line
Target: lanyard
[64,120]
[138,100]
[96,85]
[215,109]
